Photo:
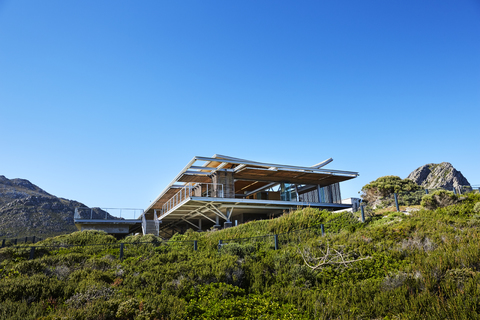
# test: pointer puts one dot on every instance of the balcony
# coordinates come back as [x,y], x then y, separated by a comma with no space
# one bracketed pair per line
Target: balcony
[204,190]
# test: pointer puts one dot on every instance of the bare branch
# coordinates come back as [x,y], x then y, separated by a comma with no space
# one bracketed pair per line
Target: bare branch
[328,258]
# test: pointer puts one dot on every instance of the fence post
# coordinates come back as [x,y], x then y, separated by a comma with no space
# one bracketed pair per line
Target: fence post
[26,239]
[322,227]
[426,191]
[219,245]
[195,245]
[3,243]
[32,253]
[275,237]
[454,190]
[33,239]
[15,242]
[121,251]
[396,201]
[363,213]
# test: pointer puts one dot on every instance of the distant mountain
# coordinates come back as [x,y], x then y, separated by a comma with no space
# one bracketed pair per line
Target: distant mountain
[14,189]
[27,210]
[442,175]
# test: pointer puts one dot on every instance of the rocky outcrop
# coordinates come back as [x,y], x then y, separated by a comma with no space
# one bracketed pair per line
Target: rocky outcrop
[27,210]
[37,215]
[14,189]
[442,175]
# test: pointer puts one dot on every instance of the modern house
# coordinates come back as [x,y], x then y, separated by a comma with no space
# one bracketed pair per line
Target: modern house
[220,191]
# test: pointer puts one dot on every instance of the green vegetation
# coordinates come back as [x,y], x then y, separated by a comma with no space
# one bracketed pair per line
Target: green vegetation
[422,265]
[378,194]
[387,185]
[476,208]
[438,199]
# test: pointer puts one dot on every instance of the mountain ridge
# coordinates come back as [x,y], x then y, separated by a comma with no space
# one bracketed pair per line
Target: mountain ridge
[28,210]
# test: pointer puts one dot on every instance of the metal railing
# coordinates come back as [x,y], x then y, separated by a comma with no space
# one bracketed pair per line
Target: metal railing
[82,213]
[19,240]
[208,190]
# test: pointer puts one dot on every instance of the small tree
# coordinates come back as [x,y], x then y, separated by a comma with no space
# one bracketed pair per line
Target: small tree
[386,186]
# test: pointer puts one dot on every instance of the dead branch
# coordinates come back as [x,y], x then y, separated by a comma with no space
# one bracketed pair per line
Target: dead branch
[328,258]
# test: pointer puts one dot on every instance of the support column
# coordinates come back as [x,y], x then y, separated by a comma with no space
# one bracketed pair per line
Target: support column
[223,177]
[228,223]
[199,224]
[321,197]
[199,190]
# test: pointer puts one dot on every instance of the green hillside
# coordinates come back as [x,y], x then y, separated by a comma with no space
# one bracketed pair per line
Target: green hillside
[425,265]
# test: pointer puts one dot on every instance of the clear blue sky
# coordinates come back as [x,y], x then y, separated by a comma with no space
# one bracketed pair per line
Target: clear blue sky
[105,101]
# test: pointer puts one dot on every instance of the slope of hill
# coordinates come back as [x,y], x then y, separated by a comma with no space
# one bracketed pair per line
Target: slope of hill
[394,266]
[27,210]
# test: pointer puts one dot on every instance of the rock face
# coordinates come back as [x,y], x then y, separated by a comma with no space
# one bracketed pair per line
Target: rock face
[27,210]
[14,189]
[442,175]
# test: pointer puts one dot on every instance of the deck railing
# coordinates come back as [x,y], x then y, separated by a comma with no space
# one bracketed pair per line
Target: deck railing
[82,213]
[208,190]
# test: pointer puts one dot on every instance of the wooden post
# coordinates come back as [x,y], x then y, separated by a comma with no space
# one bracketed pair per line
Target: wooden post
[32,253]
[322,227]
[26,239]
[363,213]
[276,241]
[3,243]
[195,245]
[33,239]
[396,201]
[121,251]
[426,191]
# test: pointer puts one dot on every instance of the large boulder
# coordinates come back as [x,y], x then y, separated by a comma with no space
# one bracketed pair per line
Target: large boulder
[442,175]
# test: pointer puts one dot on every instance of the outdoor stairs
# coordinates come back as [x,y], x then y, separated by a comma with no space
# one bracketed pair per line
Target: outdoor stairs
[151,227]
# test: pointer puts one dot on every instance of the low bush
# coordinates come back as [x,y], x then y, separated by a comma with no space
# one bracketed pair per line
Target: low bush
[439,199]
[236,249]
[87,237]
[476,207]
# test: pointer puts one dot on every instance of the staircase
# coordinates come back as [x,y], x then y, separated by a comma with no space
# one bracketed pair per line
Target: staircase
[149,226]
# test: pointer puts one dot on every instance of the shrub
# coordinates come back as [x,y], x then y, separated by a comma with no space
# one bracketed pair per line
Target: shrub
[91,294]
[139,238]
[81,238]
[439,199]
[236,249]
[298,219]
[224,301]
[476,208]
[385,186]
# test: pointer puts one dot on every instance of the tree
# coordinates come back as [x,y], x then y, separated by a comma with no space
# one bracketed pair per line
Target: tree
[386,186]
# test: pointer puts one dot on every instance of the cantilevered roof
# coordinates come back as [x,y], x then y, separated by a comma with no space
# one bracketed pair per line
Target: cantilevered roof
[249,175]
